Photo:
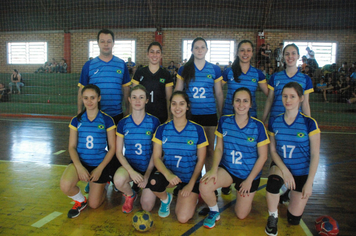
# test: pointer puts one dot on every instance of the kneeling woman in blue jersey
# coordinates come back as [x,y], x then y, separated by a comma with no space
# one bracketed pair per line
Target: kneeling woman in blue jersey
[184,146]
[135,132]
[241,151]
[295,144]
[90,133]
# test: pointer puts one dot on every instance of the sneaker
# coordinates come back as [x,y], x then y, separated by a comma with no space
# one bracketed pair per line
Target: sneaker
[77,208]
[129,201]
[164,210]
[209,221]
[205,211]
[226,190]
[86,189]
[271,227]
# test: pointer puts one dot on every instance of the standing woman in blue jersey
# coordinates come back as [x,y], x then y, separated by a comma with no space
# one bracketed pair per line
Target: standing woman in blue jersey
[242,74]
[295,146]
[134,134]
[158,83]
[183,146]
[91,131]
[201,80]
[274,104]
[240,153]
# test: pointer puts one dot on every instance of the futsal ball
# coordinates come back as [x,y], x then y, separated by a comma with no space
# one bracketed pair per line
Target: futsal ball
[326,226]
[142,221]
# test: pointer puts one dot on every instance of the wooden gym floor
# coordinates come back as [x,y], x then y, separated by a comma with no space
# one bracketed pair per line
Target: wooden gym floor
[34,154]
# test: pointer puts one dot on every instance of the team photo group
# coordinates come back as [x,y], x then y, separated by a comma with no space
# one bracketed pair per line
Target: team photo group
[148,132]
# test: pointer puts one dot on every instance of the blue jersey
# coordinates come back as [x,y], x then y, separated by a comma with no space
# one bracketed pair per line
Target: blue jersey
[201,89]
[137,140]
[92,137]
[109,77]
[241,145]
[249,80]
[180,148]
[292,141]
[277,82]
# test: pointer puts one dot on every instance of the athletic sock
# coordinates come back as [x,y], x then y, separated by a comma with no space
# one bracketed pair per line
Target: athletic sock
[165,200]
[79,197]
[214,208]
[275,214]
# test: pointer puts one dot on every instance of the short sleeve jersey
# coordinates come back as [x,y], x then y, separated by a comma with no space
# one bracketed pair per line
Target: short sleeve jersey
[279,80]
[92,137]
[292,141]
[155,85]
[201,89]
[180,148]
[109,77]
[138,140]
[241,145]
[249,80]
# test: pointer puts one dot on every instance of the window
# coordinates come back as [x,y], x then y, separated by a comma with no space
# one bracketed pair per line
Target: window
[122,49]
[221,51]
[325,53]
[26,52]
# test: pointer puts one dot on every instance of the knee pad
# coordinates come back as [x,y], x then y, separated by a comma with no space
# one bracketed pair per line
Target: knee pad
[274,183]
[161,183]
[292,219]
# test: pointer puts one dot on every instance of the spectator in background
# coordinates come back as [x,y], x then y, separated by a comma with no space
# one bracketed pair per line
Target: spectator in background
[312,63]
[44,68]
[269,73]
[321,85]
[328,69]
[171,68]
[183,63]
[4,97]
[228,66]
[346,88]
[278,55]
[16,79]
[342,70]
[54,66]
[262,56]
[329,88]
[62,67]
[352,69]
[304,61]
[131,66]
[268,52]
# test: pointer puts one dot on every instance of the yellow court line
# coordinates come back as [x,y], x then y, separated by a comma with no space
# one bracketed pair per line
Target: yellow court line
[305,228]
[59,152]
[46,219]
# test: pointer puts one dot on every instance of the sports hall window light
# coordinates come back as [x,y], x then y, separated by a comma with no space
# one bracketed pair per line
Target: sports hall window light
[122,49]
[26,52]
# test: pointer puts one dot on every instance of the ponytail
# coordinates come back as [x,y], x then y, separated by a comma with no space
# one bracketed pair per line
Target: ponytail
[188,73]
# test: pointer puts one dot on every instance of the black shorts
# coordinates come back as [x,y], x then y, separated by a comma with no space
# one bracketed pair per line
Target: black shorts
[205,120]
[180,186]
[114,164]
[237,181]
[142,173]
[299,180]
[105,174]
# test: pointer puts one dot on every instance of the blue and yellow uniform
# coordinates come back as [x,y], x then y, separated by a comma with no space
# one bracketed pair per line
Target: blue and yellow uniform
[249,80]
[180,148]
[109,77]
[201,89]
[92,137]
[138,140]
[292,141]
[241,145]
[279,80]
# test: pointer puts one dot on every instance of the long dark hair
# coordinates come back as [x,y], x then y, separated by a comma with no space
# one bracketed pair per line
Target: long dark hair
[186,98]
[97,90]
[236,68]
[239,90]
[188,73]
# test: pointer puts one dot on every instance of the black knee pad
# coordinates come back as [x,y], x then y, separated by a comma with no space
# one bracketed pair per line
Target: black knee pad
[292,219]
[161,183]
[274,184]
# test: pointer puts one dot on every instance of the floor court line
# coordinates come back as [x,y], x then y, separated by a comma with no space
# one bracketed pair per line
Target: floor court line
[46,219]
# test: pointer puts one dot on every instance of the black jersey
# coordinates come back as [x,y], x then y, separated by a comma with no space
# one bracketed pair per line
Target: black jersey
[155,85]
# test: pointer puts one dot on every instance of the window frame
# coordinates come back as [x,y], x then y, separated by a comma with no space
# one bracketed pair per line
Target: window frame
[27,58]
